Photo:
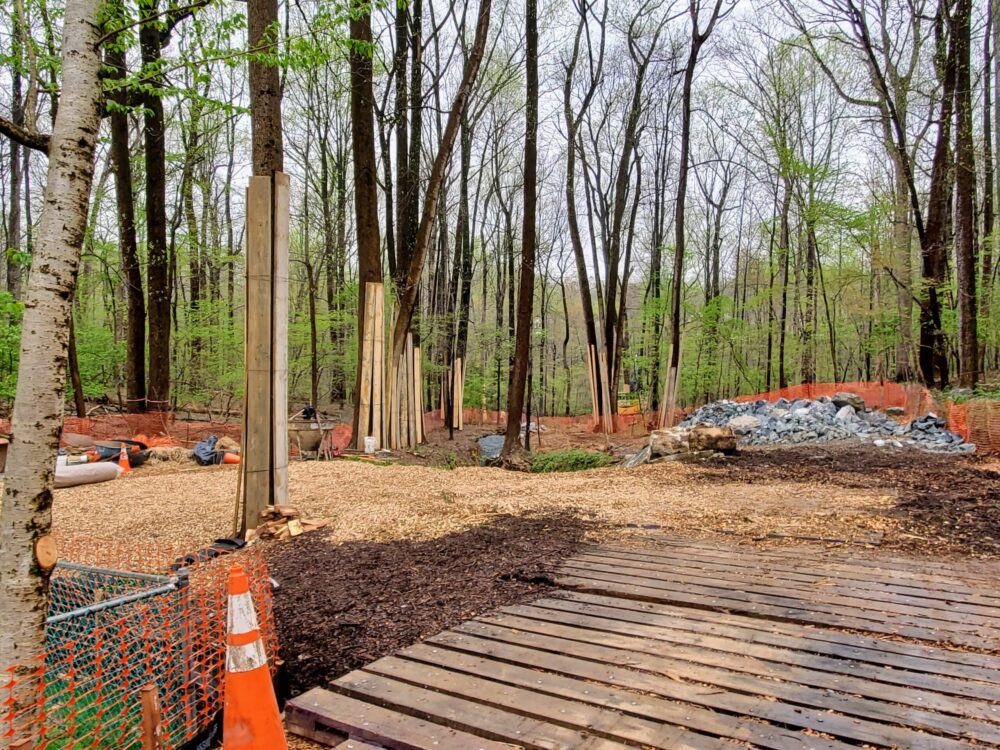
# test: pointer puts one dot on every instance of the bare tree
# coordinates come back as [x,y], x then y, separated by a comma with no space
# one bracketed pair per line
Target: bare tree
[698,39]
[526,290]
[365,175]
[965,198]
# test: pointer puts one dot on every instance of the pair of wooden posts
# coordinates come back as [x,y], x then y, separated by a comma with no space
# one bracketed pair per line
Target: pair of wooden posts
[600,389]
[391,397]
[264,453]
[600,397]
[454,380]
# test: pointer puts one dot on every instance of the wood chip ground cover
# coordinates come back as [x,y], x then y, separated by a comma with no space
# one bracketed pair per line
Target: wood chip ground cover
[402,536]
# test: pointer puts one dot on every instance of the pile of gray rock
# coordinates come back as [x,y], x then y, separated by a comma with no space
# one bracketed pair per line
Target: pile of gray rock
[843,417]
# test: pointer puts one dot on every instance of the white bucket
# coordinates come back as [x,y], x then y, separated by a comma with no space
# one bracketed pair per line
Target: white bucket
[369,445]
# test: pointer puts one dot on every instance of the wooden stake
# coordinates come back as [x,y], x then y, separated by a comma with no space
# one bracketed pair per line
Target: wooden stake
[151,729]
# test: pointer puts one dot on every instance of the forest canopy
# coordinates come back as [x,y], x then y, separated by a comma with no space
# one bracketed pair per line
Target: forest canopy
[791,192]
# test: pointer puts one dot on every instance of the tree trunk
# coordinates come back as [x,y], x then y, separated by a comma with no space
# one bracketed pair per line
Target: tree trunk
[265,89]
[677,282]
[932,355]
[901,234]
[965,200]
[157,260]
[13,249]
[74,371]
[989,175]
[25,515]
[407,293]
[135,347]
[572,121]
[810,316]
[784,251]
[365,184]
[526,289]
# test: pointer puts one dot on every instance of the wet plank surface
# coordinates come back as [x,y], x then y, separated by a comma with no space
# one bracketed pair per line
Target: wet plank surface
[680,644]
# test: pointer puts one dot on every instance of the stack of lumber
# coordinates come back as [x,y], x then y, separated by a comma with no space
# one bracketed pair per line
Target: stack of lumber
[284,522]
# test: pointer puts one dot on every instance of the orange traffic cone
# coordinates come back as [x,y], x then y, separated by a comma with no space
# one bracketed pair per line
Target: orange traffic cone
[123,463]
[250,719]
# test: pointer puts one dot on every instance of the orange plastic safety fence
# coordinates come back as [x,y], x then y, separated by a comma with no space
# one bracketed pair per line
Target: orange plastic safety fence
[85,690]
[158,428]
[977,421]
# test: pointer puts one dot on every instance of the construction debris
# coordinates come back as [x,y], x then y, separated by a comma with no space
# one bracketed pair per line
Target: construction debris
[284,522]
[842,417]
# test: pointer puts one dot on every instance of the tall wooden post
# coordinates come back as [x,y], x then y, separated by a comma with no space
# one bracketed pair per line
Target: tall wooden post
[264,464]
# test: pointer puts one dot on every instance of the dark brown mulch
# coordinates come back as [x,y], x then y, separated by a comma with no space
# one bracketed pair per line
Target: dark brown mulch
[947,503]
[340,606]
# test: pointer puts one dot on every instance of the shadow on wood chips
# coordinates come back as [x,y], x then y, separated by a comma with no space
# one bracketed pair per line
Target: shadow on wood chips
[946,503]
[343,605]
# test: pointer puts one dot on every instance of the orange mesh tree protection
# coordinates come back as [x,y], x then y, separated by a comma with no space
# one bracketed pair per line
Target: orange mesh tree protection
[87,683]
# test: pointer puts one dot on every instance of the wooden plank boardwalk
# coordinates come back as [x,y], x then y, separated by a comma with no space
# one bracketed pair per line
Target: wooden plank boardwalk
[682,644]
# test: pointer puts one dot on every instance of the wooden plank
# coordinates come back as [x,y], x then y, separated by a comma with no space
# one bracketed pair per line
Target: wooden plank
[378,368]
[840,644]
[256,460]
[367,356]
[957,582]
[915,613]
[762,606]
[591,384]
[817,599]
[609,425]
[649,674]
[693,652]
[396,408]
[355,745]
[411,414]
[465,715]
[279,340]
[460,403]
[577,717]
[308,714]
[806,576]
[418,389]
[521,667]
[836,652]
[982,572]
[751,599]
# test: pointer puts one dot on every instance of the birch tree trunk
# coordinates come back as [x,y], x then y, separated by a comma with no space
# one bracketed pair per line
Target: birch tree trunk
[25,515]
